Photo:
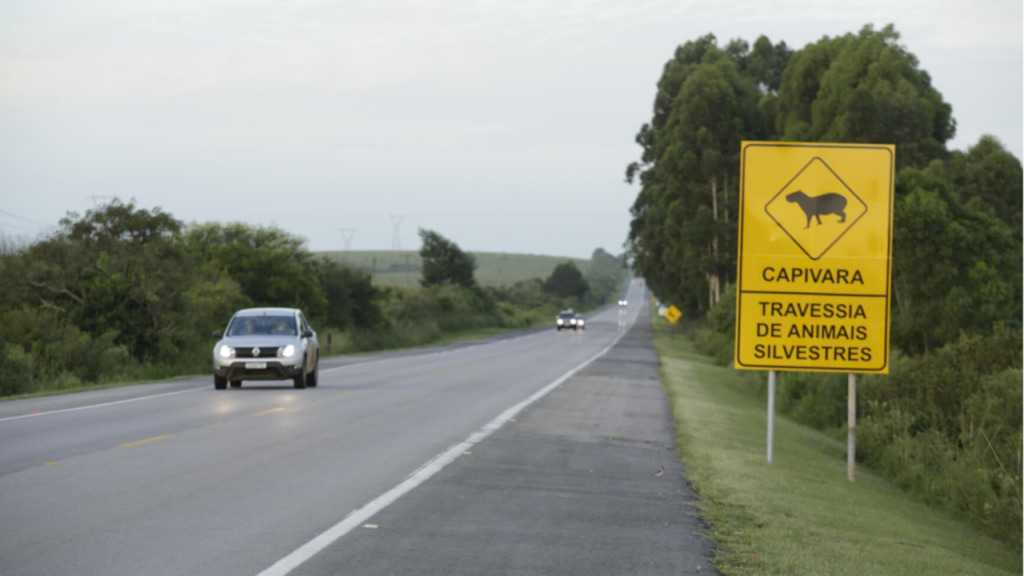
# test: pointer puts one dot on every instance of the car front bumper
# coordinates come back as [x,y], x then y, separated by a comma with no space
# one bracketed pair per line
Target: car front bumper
[257,369]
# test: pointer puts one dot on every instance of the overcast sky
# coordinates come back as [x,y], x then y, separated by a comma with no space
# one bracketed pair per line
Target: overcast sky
[506,126]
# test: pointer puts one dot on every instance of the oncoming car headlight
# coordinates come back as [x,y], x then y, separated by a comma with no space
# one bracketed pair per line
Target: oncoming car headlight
[559,321]
[226,351]
[287,351]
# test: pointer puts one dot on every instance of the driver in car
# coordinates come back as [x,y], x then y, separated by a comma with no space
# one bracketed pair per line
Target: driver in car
[284,327]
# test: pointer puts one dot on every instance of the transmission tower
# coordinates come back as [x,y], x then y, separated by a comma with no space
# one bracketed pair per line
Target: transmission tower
[346,235]
[396,221]
[97,200]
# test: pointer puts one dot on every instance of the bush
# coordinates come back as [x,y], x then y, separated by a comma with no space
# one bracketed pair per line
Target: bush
[816,399]
[17,371]
[717,338]
[945,426]
[42,352]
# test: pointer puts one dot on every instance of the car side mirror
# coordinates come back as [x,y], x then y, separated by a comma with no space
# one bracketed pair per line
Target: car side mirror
[218,333]
[308,334]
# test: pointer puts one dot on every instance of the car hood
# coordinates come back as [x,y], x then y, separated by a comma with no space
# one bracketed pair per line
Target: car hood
[259,340]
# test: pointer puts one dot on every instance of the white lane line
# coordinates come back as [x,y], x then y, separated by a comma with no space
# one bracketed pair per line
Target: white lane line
[358,517]
[91,406]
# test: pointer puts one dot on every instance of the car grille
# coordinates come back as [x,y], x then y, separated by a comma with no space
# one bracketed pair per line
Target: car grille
[256,352]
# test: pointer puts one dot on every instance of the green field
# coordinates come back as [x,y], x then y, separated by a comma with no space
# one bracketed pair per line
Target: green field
[800,515]
[402,268]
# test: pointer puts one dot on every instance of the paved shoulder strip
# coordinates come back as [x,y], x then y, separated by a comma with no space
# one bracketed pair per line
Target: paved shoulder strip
[287,564]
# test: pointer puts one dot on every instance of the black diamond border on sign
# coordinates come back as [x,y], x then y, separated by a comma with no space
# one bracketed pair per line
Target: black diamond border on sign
[841,181]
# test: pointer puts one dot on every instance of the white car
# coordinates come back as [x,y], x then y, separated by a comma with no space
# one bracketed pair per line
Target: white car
[266,344]
[566,319]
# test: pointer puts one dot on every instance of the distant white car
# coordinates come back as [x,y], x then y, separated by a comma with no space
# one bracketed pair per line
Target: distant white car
[623,303]
[566,319]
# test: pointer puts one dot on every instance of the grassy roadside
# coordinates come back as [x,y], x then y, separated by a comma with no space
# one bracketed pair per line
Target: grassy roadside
[403,268]
[101,386]
[338,348]
[800,515]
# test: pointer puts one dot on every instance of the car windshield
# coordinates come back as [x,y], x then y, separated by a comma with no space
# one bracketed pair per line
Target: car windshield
[567,315]
[262,325]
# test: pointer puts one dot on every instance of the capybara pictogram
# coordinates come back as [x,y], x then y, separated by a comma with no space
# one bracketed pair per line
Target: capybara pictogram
[828,203]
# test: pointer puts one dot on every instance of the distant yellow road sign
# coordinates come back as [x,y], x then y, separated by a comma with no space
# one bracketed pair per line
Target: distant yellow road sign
[815,246]
[673,314]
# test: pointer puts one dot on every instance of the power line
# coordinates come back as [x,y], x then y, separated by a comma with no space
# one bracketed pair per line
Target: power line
[23,219]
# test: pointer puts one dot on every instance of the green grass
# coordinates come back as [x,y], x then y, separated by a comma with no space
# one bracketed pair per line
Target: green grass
[100,386]
[800,515]
[402,268]
[340,346]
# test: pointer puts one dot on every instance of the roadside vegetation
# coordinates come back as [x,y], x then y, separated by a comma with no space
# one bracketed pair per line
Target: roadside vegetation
[945,423]
[800,514]
[124,293]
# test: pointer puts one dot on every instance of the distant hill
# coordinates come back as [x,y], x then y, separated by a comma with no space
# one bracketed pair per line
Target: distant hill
[402,268]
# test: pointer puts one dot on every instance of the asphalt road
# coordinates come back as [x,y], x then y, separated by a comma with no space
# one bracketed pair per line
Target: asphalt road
[532,454]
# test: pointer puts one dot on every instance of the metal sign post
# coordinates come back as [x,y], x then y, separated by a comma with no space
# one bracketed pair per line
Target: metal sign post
[851,424]
[771,416]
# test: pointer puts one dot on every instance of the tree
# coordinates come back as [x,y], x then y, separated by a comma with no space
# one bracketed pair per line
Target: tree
[956,269]
[604,277]
[117,269]
[682,238]
[352,300]
[444,262]
[988,177]
[272,267]
[864,88]
[765,63]
[566,281]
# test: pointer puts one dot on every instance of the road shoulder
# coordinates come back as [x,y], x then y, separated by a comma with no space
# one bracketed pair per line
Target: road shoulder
[585,481]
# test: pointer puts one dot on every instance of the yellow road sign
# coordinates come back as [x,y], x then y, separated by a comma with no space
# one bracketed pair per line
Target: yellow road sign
[673,314]
[815,246]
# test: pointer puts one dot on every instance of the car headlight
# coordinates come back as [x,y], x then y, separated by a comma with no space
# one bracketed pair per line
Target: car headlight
[226,351]
[573,321]
[559,321]
[287,351]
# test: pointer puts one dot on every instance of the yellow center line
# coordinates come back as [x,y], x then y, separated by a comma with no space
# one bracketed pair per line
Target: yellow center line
[271,411]
[141,442]
[346,392]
